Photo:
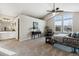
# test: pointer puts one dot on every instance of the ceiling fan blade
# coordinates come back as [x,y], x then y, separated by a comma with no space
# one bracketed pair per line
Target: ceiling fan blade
[49,11]
[59,11]
[69,11]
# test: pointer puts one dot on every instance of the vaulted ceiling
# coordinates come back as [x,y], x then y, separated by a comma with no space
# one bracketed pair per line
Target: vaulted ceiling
[38,10]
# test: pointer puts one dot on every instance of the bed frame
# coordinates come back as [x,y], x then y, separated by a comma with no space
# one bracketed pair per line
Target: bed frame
[67,41]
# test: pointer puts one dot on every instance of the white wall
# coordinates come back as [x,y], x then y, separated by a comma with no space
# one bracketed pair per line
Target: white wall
[26,23]
[50,23]
[76,22]
[75,18]
[16,28]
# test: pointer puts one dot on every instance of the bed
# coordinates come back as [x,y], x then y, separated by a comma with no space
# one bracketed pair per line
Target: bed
[64,39]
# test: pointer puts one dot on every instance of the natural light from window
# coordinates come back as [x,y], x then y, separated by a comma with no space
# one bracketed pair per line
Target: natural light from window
[63,23]
[6,51]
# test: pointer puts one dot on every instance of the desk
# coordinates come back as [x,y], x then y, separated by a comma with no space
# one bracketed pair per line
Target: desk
[34,33]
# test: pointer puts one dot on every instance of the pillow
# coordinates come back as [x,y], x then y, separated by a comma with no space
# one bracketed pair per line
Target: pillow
[70,34]
[74,35]
[77,35]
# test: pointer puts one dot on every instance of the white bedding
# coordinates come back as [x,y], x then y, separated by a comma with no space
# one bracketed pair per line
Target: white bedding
[61,35]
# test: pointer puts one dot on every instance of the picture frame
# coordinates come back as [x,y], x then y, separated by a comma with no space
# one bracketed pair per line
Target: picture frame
[35,25]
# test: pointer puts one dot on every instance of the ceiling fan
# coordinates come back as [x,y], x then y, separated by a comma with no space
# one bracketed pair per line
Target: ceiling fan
[55,9]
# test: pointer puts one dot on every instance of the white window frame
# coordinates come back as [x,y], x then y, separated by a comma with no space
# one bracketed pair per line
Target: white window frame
[62,23]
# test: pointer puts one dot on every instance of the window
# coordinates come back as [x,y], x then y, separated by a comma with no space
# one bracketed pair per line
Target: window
[58,23]
[63,23]
[67,22]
